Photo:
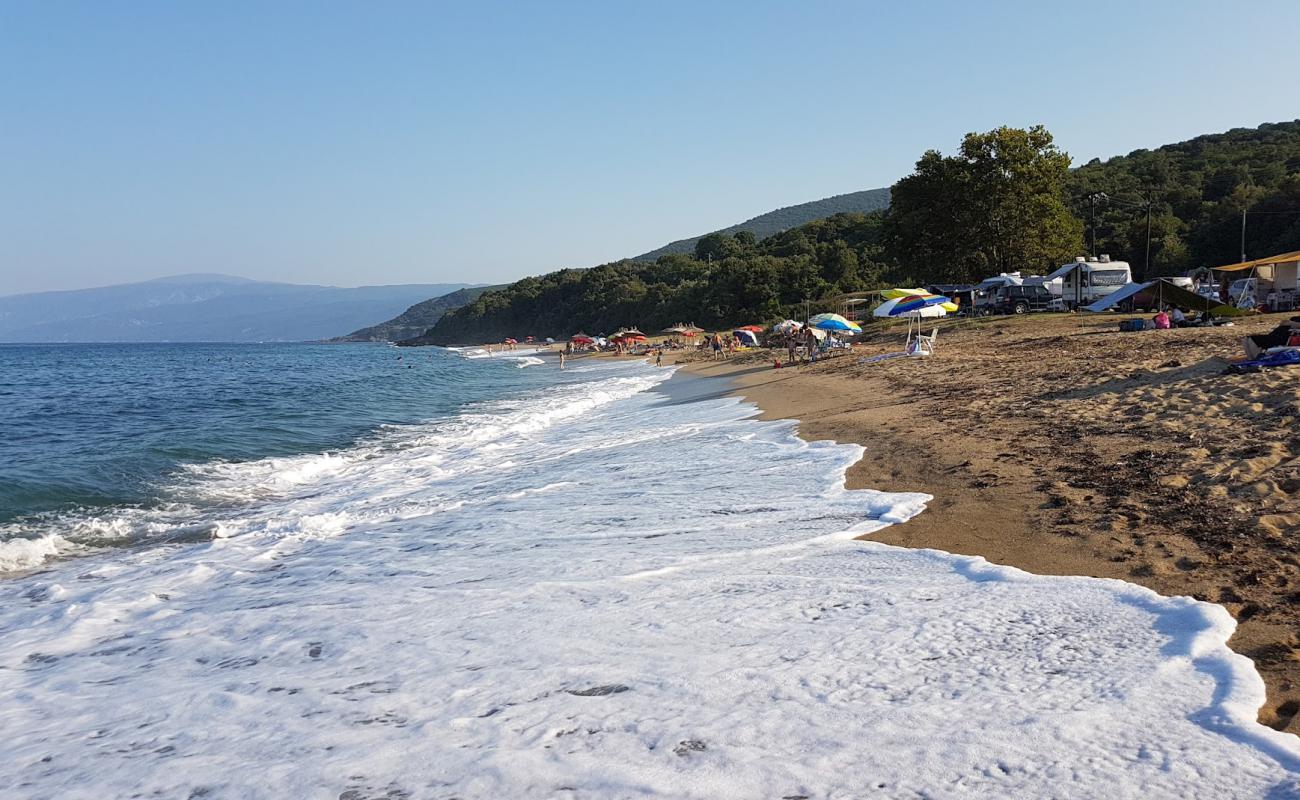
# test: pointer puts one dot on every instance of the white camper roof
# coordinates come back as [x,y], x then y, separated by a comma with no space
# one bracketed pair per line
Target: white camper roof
[1086,266]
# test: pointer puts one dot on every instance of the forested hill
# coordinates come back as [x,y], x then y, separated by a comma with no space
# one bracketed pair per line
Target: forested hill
[765,225]
[418,318]
[1006,200]
[730,277]
[1198,189]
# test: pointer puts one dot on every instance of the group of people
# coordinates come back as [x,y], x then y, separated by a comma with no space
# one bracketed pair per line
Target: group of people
[1175,317]
[800,344]
[722,346]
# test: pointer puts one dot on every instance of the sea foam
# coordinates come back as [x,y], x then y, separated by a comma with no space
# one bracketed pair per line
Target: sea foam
[596,591]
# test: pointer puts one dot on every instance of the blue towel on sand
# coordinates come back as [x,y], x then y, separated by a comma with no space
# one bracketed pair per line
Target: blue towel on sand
[1282,358]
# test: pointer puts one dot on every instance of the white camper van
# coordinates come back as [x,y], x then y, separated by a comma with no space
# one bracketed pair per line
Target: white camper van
[1085,280]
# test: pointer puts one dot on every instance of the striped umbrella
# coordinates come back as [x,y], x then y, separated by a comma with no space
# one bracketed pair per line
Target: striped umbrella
[925,305]
[834,322]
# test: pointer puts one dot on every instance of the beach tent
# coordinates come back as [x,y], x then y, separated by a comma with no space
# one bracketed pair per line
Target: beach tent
[1168,293]
[746,337]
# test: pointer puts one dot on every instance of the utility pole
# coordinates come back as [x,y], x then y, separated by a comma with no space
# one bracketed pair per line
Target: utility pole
[1146,266]
[1092,221]
[1243,236]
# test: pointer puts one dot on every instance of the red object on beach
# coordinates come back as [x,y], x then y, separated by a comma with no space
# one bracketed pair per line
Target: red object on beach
[582,340]
[751,328]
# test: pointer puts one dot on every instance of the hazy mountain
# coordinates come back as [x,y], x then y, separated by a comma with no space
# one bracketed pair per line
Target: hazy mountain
[765,225]
[204,308]
[417,319]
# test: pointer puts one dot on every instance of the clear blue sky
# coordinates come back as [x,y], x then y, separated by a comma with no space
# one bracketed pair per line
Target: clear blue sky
[393,142]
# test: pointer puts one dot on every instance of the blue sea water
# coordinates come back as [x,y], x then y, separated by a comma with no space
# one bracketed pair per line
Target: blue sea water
[321,571]
[93,426]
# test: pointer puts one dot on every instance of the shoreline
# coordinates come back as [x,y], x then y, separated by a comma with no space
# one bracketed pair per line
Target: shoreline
[1003,472]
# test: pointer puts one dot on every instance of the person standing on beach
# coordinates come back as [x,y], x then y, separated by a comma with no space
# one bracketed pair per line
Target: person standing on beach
[659,357]
[716,342]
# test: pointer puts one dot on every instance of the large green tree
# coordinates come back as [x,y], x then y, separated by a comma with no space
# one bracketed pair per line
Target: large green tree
[998,205]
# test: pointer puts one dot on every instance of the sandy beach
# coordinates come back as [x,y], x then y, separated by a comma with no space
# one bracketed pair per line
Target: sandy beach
[1059,445]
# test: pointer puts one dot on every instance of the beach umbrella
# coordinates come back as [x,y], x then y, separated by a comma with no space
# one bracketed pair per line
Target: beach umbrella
[834,322]
[894,294]
[675,330]
[924,305]
[633,332]
[751,328]
[512,341]
[581,338]
[747,336]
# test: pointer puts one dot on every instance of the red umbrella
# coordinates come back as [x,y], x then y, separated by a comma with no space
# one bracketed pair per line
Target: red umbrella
[582,338]
[751,328]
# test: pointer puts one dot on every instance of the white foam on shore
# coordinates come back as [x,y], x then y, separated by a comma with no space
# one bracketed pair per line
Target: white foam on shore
[597,593]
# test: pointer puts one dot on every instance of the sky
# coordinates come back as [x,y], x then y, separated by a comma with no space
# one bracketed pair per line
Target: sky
[420,142]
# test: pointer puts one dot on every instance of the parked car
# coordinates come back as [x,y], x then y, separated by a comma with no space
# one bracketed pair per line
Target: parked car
[1023,299]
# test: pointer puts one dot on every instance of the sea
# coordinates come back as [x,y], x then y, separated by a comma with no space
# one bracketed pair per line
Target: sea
[359,571]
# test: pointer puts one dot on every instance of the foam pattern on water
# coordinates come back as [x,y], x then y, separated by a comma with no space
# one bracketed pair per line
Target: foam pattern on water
[597,592]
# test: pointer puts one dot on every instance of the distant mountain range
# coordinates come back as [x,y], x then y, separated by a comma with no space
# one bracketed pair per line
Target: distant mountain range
[417,319]
[765,225]
[204,308]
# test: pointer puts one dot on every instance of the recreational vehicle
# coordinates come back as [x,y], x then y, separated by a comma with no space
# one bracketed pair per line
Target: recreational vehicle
[1086,280]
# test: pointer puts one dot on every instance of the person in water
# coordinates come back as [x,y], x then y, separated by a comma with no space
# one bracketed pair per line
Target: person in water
[562,357]
[659,357]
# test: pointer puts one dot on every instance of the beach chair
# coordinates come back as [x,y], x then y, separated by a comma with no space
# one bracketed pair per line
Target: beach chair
[921,345]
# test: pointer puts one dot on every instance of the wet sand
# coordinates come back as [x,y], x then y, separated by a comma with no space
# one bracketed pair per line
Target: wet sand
[1059,445]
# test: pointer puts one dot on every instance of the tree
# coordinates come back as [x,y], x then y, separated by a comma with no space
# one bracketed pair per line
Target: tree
[718,247]
[998,205]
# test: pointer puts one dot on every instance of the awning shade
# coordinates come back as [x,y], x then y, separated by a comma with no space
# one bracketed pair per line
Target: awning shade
[1281,258]
[1170,293]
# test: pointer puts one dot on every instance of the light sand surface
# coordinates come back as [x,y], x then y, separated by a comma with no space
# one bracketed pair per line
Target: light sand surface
[1059,445]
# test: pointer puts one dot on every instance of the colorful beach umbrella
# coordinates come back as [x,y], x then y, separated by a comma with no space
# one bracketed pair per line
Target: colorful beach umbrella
[834,322]
[924,305]
[894,294]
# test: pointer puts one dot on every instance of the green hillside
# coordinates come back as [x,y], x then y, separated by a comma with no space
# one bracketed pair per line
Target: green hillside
[416,319]
[1197,190]
[1006,200]
[765,225]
